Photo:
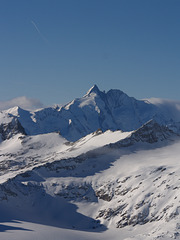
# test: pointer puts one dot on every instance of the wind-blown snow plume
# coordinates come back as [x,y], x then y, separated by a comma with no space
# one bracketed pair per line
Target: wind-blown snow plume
[167,106]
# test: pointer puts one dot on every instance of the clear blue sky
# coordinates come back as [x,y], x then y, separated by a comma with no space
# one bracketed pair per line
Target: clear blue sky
[55,50]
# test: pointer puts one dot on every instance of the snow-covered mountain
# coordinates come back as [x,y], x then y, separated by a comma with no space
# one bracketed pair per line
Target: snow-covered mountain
[113,110]
[117,178]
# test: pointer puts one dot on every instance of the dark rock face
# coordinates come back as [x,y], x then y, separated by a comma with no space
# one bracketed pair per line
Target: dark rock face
[7,130]
[151,132]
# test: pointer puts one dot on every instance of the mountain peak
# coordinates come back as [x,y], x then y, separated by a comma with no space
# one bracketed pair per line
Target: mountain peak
[93,89]
[12,111]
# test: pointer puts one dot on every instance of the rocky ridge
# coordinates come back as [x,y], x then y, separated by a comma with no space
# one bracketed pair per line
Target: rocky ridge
[113,110]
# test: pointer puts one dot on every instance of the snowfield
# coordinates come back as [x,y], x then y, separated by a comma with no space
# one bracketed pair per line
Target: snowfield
[121,185]
[89,195]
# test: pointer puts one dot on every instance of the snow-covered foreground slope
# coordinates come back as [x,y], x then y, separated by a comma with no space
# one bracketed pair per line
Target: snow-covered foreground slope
[106,185]
[23,152]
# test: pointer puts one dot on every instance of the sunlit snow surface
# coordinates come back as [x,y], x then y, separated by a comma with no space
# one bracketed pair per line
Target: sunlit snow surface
[100,187]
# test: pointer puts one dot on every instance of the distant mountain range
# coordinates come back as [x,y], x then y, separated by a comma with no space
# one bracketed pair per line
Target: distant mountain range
[113,110]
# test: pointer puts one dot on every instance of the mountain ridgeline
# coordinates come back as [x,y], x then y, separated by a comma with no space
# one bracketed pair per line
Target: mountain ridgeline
[113,110]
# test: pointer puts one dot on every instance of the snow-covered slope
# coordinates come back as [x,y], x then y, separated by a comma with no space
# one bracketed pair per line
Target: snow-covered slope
[113,110]
[104,183]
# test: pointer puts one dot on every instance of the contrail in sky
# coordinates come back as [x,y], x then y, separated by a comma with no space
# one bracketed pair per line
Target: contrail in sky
[39,32]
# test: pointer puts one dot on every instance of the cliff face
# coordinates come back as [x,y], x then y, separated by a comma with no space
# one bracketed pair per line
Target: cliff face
[8,130]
